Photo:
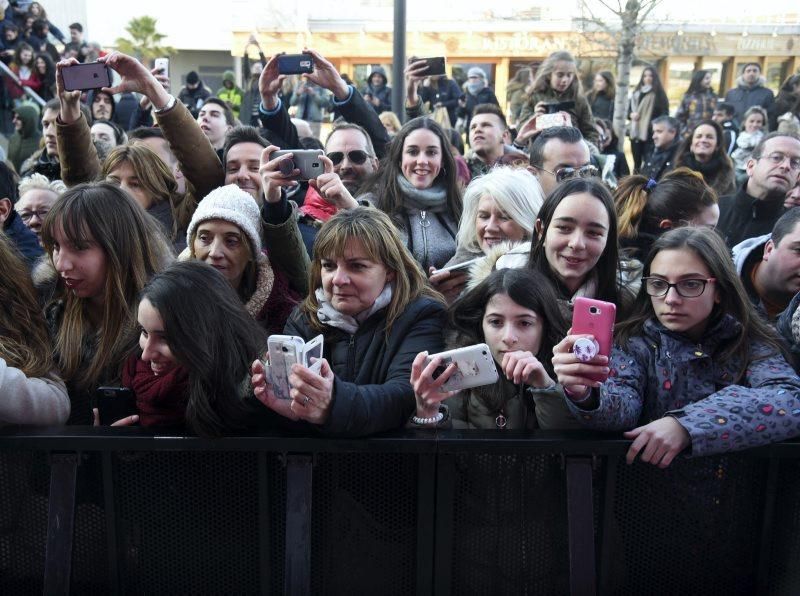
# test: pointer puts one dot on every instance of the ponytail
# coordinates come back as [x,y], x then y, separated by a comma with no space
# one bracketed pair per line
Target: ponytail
[630,201]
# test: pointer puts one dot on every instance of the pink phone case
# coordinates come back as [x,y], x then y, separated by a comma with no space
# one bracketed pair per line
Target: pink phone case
[596,318]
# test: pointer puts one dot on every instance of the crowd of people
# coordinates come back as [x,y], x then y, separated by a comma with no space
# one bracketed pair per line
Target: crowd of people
[159,250]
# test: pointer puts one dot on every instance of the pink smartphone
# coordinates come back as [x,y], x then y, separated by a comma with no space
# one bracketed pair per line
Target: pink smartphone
[596,318]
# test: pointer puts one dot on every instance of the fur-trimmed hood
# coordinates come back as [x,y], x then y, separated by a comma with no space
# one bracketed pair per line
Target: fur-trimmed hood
[762,82]
[503,256]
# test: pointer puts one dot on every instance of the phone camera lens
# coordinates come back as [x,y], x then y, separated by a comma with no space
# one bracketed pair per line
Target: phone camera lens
[284,349]
[315,164]
[483,352]
[594,310]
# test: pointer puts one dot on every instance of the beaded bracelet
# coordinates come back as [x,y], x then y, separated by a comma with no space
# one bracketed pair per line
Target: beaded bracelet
[432,420]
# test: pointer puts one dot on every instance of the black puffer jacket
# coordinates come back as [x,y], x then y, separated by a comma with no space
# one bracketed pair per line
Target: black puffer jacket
[372,391]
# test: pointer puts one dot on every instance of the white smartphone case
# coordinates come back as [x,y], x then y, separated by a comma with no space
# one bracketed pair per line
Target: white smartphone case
[475,367]
[286,350]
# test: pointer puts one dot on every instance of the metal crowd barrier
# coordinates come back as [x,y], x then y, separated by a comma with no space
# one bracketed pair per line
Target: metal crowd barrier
[124,511]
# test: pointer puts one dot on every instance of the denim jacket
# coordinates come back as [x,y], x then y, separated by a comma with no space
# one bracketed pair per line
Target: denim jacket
[663,373]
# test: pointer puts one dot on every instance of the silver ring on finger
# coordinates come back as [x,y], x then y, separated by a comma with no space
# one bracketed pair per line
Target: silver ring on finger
[306,400]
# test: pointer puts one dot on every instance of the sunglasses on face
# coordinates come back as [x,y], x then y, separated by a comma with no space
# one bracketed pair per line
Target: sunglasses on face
[357,156]
[582,172]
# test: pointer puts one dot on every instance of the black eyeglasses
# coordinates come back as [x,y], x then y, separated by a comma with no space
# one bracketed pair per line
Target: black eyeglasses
[26,216]
[587,171]
[687,288]
[357,156]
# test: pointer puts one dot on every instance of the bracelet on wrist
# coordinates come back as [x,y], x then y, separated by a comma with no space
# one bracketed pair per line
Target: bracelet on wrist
[167,107]
[578,399]
[425,421]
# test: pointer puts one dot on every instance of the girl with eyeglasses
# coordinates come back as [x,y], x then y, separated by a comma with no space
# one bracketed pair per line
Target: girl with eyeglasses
[693,368]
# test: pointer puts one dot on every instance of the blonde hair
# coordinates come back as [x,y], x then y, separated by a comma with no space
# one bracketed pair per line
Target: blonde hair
[24,339]
[390,119]
[517,193]
[382,244]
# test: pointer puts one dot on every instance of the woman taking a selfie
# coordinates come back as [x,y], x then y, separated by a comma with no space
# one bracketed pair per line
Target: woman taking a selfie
[576,244]
[370,301]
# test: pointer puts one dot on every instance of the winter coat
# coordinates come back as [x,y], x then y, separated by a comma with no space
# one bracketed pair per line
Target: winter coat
[743,97]
[194,99]
[522,407]
[742,216]
[694,108]
[383,92]
[603,106]
[663,373]
[232,96]
[444,91]
[788,325]
[429,236]
[485,95]
[310,106]
[30,400]
[33,82]
[660,108]
[745,256]
[41,163]
[581,114]
[372,390]
[25,142]
[745,143]
[660,161]
[22,238]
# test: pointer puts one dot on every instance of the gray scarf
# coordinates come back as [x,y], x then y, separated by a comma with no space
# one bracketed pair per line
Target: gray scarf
[427,199]
[328,315]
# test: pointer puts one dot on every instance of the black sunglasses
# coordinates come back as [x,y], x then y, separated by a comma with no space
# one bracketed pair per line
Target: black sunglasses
[357,156]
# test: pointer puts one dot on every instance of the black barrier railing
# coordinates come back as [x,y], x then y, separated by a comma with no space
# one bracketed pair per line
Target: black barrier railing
[119,511]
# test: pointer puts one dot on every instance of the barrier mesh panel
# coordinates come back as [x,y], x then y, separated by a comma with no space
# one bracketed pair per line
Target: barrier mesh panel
[690,529]
[509,525]
[784,571]
[23,523]
[188,522]
[363,526]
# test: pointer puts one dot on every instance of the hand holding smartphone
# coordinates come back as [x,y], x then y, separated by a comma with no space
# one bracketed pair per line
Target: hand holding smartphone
[595,318]
[85,77]
[306,160]
[296,63]
[475,367]
[114,403]
[285,351]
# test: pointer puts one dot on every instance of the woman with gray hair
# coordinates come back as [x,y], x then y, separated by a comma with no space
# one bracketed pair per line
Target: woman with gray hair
[36,195]
[500,207]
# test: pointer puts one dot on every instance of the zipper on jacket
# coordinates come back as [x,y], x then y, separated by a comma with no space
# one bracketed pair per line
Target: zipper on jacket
[424,223]
[351,364]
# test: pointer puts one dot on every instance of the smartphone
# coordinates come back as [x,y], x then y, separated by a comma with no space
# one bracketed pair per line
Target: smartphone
[544,121]
[114,403]
[562,106]
[475,367]
[83,77]
[162,64]
[460,266]
[295,64]
[596,318]
[286,350]
[306,160]
[436,66]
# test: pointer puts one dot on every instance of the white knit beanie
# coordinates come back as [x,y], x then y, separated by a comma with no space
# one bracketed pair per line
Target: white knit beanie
[230,203]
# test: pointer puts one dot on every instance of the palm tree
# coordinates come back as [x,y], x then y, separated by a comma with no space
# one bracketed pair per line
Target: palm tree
[144,41]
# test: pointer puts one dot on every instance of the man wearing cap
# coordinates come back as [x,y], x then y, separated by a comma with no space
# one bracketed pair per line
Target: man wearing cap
[194,94]
[477,92]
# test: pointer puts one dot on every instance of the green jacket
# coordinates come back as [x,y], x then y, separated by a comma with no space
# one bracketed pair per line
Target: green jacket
[25,142]
[232,96]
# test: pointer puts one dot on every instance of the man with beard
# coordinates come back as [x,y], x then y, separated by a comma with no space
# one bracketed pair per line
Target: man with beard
[750,91]
[772,171]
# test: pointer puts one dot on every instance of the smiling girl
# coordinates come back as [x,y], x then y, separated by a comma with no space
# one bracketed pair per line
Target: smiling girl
[694,366]
[754,128]
[703,151]
[515,313]
[576,243]
[190,367]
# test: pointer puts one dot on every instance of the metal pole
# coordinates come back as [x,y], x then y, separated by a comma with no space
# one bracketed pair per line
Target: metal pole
[399,60]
